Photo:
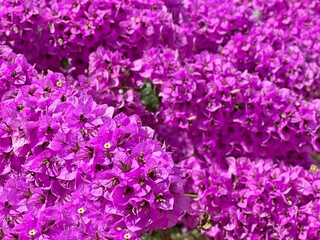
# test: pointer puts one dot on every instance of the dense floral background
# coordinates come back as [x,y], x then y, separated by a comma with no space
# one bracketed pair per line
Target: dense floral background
[159,119]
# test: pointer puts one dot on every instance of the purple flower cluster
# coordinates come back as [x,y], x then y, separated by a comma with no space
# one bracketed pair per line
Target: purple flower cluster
[112,112]
[60,35]
[231,113]
[282,47]
[69,168]
[257,200]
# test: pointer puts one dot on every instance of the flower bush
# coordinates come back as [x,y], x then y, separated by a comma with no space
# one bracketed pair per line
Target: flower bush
[63,153]
[118,118]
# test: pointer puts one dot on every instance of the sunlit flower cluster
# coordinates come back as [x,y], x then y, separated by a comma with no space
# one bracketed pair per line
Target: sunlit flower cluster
[121,117]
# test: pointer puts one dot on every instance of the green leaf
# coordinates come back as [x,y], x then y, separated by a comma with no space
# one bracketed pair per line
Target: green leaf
[256,14]
[149,96]
[316,157]
[65,63]
[191,195]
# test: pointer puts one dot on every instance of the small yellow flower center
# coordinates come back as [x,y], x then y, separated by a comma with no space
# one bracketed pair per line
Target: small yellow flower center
[32,232]
[136,20]
[313,168]
[289,203]
[127,236]
[107,145]
[59,83]
[81,210]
